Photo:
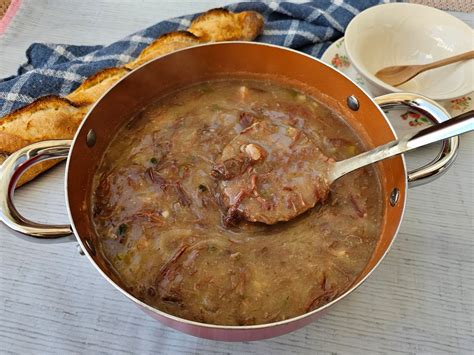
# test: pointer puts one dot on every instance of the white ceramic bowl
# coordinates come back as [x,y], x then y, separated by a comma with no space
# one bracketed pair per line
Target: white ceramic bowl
[403,33]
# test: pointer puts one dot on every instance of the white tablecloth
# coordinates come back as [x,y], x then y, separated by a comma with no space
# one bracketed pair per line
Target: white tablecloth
[420,300]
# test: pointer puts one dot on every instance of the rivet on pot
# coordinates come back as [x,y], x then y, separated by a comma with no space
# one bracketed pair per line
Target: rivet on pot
[90,246]
[79,250]
[91,138]
[394,196]
[353,103]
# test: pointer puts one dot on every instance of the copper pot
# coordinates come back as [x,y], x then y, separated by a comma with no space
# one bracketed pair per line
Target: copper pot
[205,62]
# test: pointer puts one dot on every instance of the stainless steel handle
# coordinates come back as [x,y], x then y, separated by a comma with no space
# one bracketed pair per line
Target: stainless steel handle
[455,126]
[11,170]
[435,113]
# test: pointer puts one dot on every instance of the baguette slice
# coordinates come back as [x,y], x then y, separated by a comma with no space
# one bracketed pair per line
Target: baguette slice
[95,86]
[49,117]
[165,44]
[222,25]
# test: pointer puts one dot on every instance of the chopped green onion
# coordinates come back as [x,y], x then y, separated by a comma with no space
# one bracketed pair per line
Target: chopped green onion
[120,256]
[293,93]
[206,89]
[215,108]
[122,229]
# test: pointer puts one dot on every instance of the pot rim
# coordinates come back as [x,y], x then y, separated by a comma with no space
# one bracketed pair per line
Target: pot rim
[219,326]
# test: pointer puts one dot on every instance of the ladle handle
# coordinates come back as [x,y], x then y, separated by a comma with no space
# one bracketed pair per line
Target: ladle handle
[455,126]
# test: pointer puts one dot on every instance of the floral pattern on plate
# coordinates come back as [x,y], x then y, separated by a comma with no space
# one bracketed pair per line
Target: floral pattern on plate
[461,103]
[340,61]
[414,118]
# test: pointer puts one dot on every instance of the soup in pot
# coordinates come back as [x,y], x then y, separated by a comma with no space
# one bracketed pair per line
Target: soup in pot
[162,222]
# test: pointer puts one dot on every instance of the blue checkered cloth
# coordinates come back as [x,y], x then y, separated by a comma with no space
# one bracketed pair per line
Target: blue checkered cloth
[58,69]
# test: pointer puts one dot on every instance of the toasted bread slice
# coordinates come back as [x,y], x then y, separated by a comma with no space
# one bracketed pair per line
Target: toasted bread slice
[96,85]
[167,43]
[214,25]
[222,25]
[11,143]
[49,117]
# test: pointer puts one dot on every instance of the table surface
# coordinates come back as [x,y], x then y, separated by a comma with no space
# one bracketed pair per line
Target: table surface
[52,300]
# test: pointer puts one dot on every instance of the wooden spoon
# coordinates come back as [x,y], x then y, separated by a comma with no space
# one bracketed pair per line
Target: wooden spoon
[400,74]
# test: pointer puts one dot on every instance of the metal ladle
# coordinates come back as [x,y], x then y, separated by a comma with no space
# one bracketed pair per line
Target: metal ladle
[245,203]
[455,126]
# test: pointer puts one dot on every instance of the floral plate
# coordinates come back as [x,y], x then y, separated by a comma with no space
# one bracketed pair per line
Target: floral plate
[402,121]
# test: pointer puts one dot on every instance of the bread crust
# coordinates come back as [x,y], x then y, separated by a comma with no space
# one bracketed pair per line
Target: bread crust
[222,25]
[54,117]
[96,85]
[167,43]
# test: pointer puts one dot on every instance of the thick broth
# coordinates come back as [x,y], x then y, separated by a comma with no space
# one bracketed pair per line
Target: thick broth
[158,212]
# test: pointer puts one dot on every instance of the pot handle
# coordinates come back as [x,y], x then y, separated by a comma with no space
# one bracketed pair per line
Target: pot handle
[11,170]
[436,114]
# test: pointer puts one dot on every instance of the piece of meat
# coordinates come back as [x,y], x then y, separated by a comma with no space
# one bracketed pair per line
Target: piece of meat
[246,119]
[271,173]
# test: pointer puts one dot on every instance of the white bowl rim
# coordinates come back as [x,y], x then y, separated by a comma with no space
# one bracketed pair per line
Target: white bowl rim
[372,77]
